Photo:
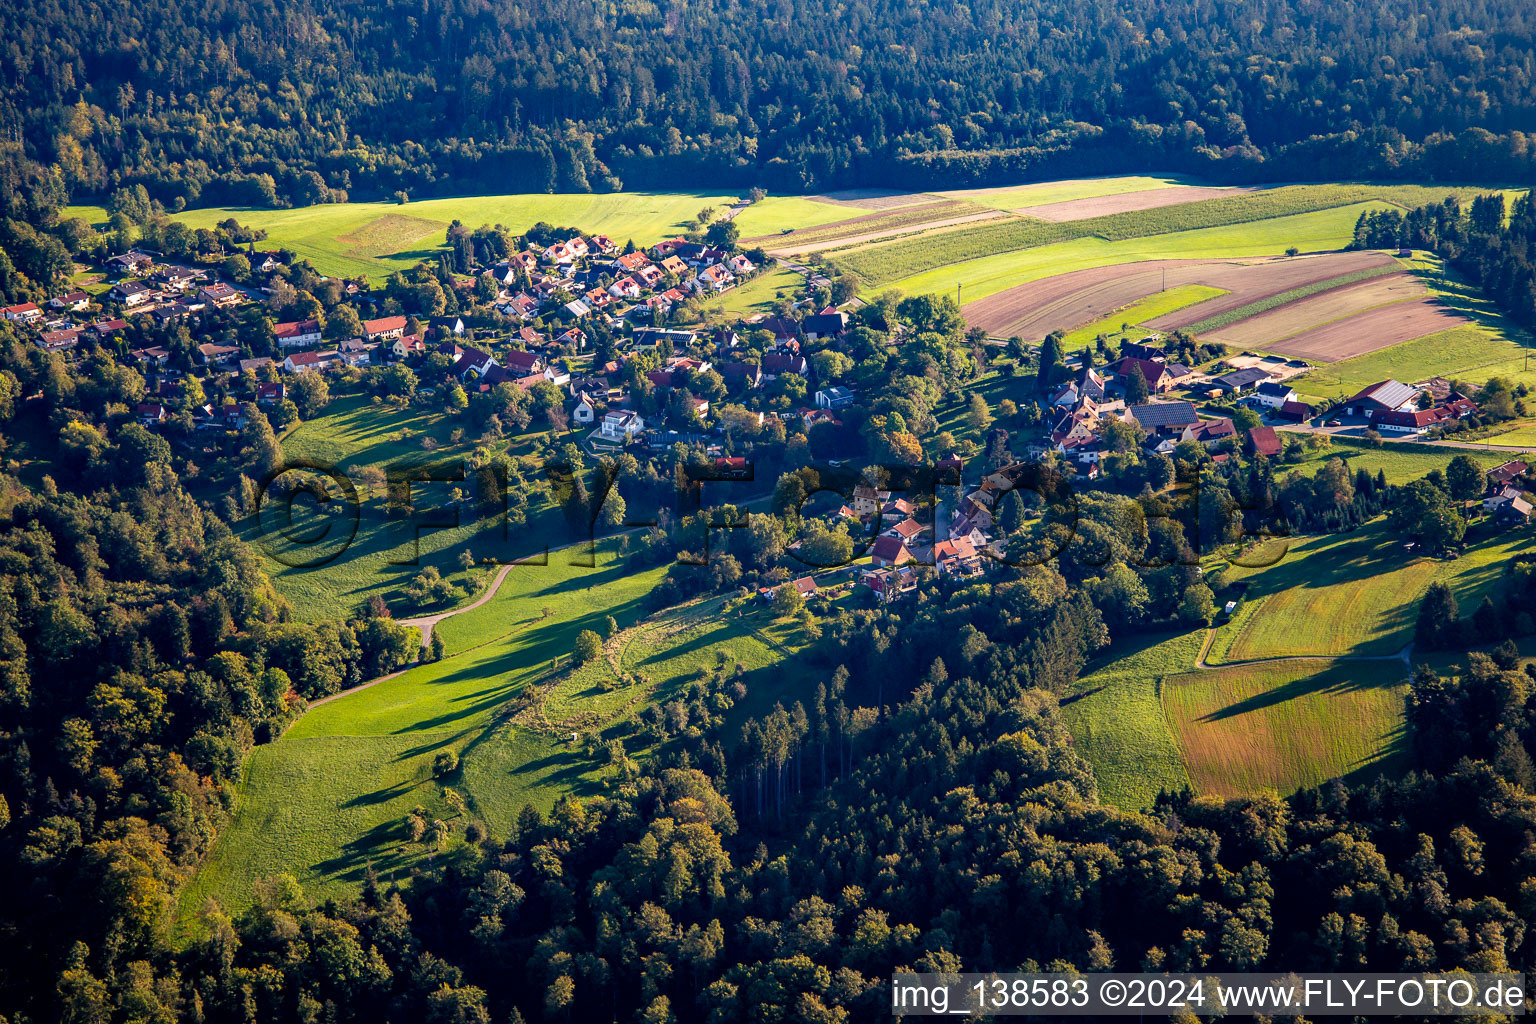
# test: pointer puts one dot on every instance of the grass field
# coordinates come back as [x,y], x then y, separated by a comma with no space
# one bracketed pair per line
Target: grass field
[1351,594]
[353,432]
[1139,312]
[789,213]
[1310,232]
[374,239]
[1117,721]
[757,295]
[1287,725]
[1463,353]
[330,797]
[1400,463]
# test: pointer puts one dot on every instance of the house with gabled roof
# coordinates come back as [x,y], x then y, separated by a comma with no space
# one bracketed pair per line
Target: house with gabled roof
[297,333]
[385,328]
[1383,396]
[889,551]
[1165,418]
[1264,441]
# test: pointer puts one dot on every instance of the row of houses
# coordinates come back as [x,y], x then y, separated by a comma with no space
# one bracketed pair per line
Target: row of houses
[582,277]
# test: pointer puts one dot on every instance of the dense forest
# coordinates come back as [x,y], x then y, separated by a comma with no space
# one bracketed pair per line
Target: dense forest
[261,103]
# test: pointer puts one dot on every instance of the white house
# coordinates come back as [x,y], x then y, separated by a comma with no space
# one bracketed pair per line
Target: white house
[586,411]
[621,424]
[1273,395]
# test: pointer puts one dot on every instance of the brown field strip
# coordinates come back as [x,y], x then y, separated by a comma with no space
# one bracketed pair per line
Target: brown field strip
[909,227]
[1267,328]
[1270,278]
[875,198]
[1068,301]
[1366,332]
[1125,202]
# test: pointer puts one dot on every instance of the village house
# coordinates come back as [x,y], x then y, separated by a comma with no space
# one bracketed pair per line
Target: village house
[776,364]
[156,354]
[385,328]
[218,295]
[714,279]
[58,341]
[868,501]
[1273,394]
[74,302]
[131,293]
[825,325]
[25,312]
[299,362]
[271,392]
[621,424]
[834,399]
[214,354]
[136,263]
[889,552]
[585,410]
[1235,382]
[296,333]
[1154,373]
[1264,441]
[150,413]
[407,347]
[1165,419]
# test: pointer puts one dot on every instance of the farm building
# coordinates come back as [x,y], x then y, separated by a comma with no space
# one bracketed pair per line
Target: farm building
[1165,418]
[1383,396]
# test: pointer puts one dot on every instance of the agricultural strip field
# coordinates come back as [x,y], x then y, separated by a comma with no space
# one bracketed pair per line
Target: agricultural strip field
[1287,725]
[875,198]
[1325,230]
[1125,202]
[900,223]
[852,225]
[1216,315]
[1011,197]
[1033,309]
[1137,313]
[1368,331]
[385,237]
[1271,331]
[884,262]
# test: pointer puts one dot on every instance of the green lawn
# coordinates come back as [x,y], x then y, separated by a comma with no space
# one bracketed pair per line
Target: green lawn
[1310,232]
[1149,308]
[374,239]
[1117,722]
[757,295]
[1287,725]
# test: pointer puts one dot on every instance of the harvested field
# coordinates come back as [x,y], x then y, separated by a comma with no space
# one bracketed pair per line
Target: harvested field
[1125,202]
[1273,276]
[1266,329]
[1070,300]
[882,226]
[875,198]
[1369,331]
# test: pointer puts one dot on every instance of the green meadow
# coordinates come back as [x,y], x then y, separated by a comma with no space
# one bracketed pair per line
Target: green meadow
[374,239]
[1149,308]
[330,798]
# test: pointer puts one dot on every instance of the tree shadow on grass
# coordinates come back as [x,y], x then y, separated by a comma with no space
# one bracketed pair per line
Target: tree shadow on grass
[1338,679]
